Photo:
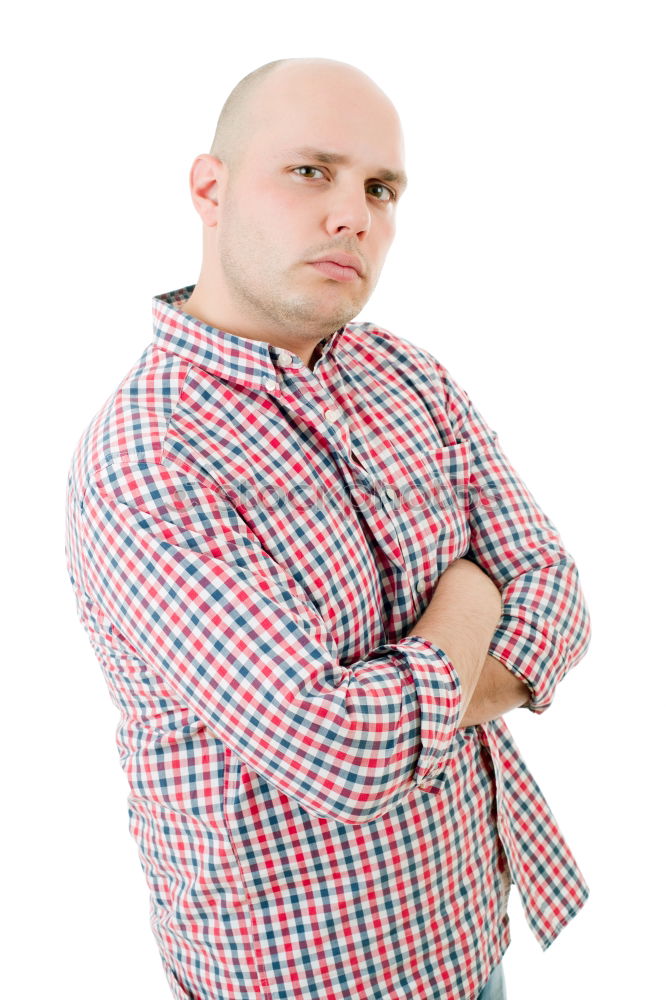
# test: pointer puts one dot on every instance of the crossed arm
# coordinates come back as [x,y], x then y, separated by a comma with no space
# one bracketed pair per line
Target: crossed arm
[235,638]
[544,627]
[497,691]
[462,616]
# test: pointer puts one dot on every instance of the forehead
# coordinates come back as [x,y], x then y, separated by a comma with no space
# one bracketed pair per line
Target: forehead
[339,114]
[326,108]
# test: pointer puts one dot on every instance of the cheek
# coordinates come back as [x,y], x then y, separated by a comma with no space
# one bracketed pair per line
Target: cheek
[384,233]
[253,227]
[265,199]
[272,218]
[388,228]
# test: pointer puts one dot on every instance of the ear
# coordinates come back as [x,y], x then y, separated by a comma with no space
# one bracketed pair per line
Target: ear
[206,181]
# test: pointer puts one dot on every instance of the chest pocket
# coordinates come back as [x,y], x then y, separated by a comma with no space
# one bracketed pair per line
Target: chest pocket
[426,495]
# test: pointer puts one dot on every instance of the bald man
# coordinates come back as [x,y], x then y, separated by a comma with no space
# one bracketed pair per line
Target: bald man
[316,585]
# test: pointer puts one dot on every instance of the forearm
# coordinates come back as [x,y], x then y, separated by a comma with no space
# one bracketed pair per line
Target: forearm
[497,691]
[461,618]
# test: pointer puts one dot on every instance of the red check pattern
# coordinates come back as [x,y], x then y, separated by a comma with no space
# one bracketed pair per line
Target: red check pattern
[249,543]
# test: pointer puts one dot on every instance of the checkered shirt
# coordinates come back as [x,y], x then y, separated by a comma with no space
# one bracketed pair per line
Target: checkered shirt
[249,542]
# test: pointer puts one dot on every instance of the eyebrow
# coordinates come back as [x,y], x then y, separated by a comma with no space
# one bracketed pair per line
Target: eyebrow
[398,177]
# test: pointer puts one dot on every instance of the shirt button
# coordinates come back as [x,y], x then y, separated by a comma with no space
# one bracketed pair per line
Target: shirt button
[270,384]
[332,414]
[285,358]
[389,494]
[420,586]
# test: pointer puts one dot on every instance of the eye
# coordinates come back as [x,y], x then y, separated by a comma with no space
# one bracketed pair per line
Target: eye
[389,194]
[309,168]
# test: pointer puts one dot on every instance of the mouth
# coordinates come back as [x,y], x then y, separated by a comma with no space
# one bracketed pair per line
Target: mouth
[338,272]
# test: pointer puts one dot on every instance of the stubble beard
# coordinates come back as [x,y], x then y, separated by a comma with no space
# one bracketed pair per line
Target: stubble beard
[258,285]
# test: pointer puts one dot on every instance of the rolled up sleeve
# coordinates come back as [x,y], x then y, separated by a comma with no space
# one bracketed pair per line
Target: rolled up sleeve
[545,626]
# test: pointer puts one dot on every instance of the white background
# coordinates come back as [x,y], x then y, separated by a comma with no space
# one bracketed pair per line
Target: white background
[529,258]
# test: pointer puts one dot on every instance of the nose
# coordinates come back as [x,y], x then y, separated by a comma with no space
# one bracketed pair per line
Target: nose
[348,210]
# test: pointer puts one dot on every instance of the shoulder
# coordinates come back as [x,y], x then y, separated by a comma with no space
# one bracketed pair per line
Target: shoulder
[130,425]
[384,349]
[404,365]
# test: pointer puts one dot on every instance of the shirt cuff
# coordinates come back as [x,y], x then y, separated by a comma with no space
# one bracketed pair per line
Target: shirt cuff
[439,696]
[533,652]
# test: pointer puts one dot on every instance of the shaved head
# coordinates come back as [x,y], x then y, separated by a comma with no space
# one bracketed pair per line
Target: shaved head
[238,114]
[233,124]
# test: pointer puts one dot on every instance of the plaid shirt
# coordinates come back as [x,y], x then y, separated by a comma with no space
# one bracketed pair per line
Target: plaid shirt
[250,542]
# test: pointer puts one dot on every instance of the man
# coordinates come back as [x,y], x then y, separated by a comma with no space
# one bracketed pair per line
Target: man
[315,585]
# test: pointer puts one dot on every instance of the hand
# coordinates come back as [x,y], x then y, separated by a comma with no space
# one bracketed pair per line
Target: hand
[461,619]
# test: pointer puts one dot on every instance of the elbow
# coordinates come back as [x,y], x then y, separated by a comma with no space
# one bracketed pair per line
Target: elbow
[583,639]
[581,630]
[570,616]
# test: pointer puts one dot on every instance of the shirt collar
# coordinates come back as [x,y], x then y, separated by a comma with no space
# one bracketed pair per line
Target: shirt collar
[236,359]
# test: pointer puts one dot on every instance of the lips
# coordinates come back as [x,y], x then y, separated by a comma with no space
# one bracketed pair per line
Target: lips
[335,271]
[342,259]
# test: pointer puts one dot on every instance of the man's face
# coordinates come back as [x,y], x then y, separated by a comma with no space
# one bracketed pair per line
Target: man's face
[282,207]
